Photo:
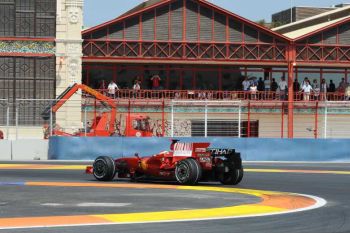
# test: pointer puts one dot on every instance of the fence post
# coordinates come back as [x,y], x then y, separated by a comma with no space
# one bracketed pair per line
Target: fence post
[7,120]
[316,120]
[206,119]
[172,119]
[16,120]
[163,118]
[325,119]
[51,121]
[239,119]
[282,120]
[248,127]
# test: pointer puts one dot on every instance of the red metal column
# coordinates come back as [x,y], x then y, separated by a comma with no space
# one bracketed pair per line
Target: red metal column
[163,119]
[282,120]
[140,35]
[291,63]
[248,128]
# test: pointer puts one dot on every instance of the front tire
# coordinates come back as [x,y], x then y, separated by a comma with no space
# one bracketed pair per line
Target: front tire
[231,175]
[104,168]
[188,172]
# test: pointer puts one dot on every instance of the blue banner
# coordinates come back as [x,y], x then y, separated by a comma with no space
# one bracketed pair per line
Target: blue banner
[251,149]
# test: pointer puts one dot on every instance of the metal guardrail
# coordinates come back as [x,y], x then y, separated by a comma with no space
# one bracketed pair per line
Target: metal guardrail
[222,95]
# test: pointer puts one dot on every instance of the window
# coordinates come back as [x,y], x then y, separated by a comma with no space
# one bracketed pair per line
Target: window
[29,18]
[27,78]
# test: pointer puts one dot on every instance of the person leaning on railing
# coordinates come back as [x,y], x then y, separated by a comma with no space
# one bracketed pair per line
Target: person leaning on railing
[136,89]
[306,89]
[112,88]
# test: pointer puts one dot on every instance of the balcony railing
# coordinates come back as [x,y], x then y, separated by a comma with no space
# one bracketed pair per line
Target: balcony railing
[222,95]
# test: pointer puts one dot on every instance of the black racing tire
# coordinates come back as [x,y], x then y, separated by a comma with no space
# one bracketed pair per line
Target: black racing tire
[104,168]
[188,172]
[231,177]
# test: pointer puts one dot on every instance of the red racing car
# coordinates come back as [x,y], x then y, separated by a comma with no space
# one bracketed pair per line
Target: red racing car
[186,163]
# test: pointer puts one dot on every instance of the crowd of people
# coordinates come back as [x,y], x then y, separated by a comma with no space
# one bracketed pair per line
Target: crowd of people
[113,88]
[261,89]
[306,89]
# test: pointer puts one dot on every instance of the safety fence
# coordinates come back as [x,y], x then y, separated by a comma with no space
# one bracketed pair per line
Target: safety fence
[84,116]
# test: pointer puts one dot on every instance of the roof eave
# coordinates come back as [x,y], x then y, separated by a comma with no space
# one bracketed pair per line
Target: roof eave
[321,29]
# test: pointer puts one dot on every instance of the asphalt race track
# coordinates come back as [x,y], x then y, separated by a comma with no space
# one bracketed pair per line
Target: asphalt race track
[36,191]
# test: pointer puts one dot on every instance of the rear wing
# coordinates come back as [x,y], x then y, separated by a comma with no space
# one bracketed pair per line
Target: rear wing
[228,154]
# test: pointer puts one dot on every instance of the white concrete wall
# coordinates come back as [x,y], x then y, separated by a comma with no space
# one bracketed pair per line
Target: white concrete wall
[24,149]
[30,149]
[5,150]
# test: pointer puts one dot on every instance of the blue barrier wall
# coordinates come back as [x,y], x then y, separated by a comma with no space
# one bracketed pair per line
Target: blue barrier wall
[252,149]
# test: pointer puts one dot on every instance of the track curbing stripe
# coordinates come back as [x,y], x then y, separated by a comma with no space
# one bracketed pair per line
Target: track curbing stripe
[272,203]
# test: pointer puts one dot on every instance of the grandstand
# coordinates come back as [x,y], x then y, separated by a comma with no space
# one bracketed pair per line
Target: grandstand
[201,53]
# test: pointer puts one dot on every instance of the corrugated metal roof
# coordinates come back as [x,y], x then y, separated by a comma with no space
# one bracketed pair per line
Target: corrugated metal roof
[303,31]
[310,19]
[141,6]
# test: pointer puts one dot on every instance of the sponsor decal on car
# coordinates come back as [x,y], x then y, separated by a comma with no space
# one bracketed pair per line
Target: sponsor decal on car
[220,151]
[183,149]
[201,150]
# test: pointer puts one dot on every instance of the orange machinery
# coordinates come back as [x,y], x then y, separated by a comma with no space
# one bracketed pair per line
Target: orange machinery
[103,125]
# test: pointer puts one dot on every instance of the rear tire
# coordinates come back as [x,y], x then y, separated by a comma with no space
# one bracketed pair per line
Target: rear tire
[188,172]
[231,175]
[104,168]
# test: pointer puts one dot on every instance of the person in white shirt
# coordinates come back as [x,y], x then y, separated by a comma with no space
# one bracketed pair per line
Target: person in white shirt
[136,88]
[253,90]
[283,86]
[306,88]
[112,88]
[246,84]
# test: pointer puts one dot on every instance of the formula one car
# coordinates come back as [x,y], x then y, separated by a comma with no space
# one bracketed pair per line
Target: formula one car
[186,163]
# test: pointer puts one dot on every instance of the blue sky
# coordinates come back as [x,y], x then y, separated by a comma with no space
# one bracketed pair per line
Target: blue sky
[99,11]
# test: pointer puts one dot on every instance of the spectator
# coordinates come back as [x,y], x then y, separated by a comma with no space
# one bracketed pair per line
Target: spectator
[316,89]
[296,89]
[136,88]
[306,79]
[331,86]
[253,90]
[155,82]
[267,84]
[261,85]
[323,89]
[274,85]
[283,86]
[347,93]
[296,85]
[1,135]
[306,88]
[246,84]
[342,86]
[112,88]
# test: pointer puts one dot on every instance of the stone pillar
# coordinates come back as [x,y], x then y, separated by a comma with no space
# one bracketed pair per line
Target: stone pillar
[69,59]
